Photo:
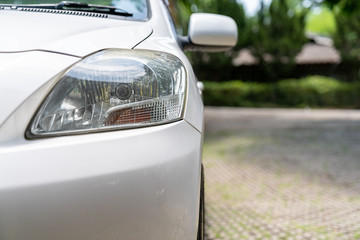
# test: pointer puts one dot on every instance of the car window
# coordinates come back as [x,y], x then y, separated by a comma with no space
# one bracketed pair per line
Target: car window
[139,8]
[175,18]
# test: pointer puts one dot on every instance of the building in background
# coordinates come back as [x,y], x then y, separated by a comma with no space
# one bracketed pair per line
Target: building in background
[317,57]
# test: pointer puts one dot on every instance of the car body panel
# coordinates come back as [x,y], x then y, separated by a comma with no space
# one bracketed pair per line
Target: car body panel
[140,183]
[68,34]
[21,74]
[102,186]
[164,36]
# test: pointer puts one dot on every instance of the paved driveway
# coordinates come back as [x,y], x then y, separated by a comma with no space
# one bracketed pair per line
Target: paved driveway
[282,174]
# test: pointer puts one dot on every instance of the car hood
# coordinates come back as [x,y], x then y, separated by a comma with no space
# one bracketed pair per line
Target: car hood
[67,34]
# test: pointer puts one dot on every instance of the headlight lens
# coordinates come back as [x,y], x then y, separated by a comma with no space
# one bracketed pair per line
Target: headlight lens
[114,89]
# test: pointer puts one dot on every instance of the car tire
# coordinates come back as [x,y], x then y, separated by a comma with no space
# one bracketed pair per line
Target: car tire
[201,228]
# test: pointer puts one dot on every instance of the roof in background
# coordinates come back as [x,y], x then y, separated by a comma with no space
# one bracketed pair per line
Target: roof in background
[313,53]
[319,51]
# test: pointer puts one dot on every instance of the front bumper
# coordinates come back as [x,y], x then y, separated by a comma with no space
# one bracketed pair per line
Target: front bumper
[129,184]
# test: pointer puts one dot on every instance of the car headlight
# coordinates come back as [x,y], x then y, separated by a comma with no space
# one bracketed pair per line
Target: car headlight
[113,89]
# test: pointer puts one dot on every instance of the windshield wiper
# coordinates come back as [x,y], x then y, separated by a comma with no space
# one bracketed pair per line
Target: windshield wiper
[75,6]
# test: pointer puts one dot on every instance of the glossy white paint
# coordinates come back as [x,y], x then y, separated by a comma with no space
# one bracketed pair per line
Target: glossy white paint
[21,74]
[130,184]
[212,30]
[74,35]
[164,36]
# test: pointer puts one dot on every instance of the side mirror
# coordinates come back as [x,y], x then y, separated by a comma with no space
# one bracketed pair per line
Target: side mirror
[210,32]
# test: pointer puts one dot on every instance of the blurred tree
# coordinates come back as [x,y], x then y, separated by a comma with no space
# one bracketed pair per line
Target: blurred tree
[347,35]
[278,36]
[345,6]
[347,39]
[321,21]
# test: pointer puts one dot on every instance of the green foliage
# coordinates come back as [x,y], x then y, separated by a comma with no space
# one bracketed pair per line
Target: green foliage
[347,37]
[278,37]
[314,91]
[321,22]
[345,6]
[235,93]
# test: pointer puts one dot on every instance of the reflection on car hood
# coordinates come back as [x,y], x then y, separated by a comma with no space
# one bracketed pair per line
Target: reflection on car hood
[75,35]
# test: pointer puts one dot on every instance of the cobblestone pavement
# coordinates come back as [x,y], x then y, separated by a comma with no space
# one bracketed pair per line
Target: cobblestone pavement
[282,174]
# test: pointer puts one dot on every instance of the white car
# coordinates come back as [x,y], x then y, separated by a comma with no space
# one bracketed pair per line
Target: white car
[101,121]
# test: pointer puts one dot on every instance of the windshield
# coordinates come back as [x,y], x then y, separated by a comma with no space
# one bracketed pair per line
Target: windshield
[138,8]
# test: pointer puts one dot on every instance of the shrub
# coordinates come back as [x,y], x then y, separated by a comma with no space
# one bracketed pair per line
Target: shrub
[313,91]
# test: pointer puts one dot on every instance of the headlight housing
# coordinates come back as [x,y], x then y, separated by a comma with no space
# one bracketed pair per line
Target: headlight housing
[113,89]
